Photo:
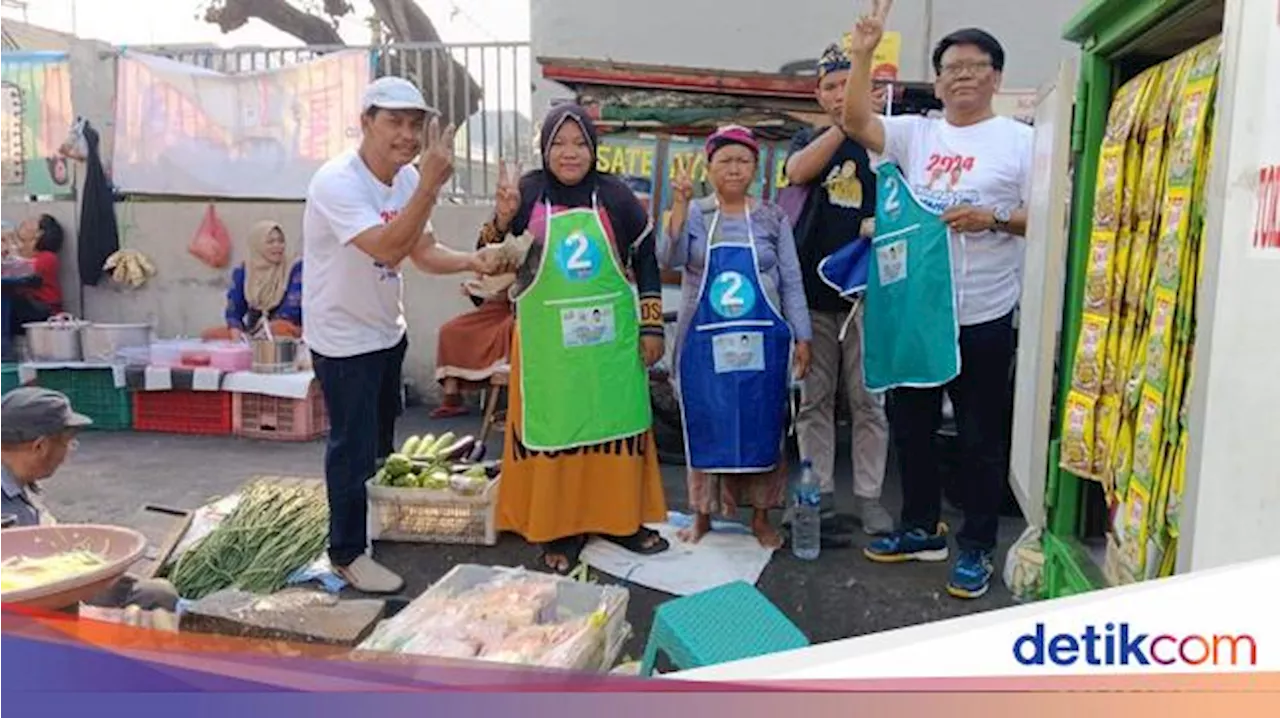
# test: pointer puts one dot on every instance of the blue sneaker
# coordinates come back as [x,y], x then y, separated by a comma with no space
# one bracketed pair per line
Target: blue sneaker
[971,574]
[913,545]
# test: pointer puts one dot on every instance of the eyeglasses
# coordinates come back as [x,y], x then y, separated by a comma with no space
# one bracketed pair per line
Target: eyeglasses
[973,67]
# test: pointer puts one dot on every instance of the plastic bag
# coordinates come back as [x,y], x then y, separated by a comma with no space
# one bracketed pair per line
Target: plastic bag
[1024,566]
[211,243]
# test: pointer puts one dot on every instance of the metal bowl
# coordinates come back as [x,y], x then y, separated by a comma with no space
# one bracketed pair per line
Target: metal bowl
[275,356]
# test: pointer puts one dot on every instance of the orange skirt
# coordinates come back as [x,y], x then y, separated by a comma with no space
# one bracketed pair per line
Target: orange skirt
[610,489]
[473,346]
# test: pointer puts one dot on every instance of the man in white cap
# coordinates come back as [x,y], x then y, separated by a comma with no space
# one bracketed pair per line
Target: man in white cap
[367,211]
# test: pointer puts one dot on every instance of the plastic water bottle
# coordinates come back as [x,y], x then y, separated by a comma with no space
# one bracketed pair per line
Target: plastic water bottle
[806,538]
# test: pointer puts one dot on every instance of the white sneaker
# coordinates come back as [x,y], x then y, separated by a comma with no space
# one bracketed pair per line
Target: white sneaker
[365,574]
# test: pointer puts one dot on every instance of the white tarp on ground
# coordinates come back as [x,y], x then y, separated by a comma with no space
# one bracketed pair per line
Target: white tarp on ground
[729,553]
[183,130]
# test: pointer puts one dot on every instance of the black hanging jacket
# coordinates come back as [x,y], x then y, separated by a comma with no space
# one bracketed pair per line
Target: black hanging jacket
[99,236]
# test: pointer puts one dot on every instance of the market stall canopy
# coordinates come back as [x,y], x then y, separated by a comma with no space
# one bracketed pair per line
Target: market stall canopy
[688,99]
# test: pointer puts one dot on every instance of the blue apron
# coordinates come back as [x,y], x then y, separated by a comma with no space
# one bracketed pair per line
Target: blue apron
[911,334]
[845,270]
[735,364]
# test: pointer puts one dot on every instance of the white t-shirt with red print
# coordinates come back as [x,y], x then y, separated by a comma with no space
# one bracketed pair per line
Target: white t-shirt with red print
[986,165]
[351,303]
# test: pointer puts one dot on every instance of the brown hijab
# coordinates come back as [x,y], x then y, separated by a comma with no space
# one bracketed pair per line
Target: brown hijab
[265,281]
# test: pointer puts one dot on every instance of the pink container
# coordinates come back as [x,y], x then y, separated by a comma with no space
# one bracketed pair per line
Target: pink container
[231,357]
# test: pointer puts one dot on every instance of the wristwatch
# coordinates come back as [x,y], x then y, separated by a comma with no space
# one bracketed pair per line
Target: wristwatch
[1001,217]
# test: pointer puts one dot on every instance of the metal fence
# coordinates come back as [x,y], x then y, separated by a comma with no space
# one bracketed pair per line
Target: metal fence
[483,88]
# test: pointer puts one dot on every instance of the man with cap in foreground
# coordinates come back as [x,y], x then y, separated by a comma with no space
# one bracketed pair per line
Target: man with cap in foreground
[367,211]
[38,432]
[842,196]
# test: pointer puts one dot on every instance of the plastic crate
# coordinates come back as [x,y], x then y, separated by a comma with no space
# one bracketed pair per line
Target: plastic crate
[571,599]
[258,416]
[183,412]
[11,380]
[432,516]
[93,392]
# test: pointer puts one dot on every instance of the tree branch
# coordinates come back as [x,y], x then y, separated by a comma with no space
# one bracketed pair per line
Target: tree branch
[446,84]
[231,15]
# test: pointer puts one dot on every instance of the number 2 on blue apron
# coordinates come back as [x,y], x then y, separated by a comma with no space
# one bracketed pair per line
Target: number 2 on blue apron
[732,296]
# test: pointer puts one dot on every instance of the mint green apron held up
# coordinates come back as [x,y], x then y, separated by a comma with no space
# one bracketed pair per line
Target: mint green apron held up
[911,333]
[582,379]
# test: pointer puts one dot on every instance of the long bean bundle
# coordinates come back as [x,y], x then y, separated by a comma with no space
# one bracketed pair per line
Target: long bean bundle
[274,530]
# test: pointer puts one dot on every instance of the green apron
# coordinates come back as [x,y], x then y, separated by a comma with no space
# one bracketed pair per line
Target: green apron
[910,333]
[582,380]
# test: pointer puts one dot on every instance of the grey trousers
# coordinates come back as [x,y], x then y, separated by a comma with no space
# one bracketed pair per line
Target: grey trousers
[816,419]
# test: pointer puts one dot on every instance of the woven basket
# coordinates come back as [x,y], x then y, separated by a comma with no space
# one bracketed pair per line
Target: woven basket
[432,516]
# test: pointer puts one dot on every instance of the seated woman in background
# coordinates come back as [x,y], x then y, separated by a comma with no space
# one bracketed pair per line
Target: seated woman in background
[39,239]
[266,288]
[474,346]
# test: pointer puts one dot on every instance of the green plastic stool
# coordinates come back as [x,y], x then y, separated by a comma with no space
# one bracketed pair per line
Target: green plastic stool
[728,623]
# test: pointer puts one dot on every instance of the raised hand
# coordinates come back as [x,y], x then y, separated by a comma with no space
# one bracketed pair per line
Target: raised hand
[682,184]
[435,165]
[507,197]
[869,28]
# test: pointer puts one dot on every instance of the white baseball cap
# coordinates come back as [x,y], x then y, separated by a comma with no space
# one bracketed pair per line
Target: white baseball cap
[393,93]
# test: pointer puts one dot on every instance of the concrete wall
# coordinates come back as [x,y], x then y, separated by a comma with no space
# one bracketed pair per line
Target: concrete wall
[765,35]
[185,296]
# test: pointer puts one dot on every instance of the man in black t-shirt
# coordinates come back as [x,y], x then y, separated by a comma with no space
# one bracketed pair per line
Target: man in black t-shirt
[840,208]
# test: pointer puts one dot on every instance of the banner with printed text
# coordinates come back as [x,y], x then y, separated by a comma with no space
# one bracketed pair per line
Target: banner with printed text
[632,159]
[185,130]
[37,117]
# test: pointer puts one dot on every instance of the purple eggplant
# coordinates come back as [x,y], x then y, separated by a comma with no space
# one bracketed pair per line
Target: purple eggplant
[493,468]
[477,453]
[458,450]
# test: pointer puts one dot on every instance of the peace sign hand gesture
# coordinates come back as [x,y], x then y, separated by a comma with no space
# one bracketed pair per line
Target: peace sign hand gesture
[682,185]
[869,28]
[507,197]
[435,165]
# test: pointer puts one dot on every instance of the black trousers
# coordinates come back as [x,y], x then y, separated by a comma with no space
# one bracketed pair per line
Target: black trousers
[26,309]
[362,394]
[981,397]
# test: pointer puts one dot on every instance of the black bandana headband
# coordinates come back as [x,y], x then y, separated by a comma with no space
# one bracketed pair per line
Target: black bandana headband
[834,59]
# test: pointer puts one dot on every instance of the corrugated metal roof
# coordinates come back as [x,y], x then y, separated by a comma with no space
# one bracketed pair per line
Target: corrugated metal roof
[25,36]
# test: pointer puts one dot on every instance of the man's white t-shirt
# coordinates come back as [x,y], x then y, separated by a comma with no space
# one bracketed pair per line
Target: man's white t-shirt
[352,303]
[986,165]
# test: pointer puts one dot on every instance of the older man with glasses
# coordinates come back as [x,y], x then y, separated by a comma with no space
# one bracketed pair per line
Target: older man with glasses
[973,169]
[37,432]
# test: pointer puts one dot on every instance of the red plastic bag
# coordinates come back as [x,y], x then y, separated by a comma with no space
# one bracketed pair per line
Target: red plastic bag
[211,244]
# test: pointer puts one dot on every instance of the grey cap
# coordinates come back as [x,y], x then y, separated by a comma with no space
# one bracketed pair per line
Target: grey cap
[30,412]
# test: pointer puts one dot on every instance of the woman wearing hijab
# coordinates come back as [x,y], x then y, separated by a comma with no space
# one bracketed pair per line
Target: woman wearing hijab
[742,309]
[579,456]
[267,288]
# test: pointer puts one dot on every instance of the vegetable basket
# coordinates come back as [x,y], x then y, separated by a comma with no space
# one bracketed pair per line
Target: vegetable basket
[432,515]
[118,547]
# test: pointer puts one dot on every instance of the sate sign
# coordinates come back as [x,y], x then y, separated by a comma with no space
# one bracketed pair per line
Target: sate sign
[887,58]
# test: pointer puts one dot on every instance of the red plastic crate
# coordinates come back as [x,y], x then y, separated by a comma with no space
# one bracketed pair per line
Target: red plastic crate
[258,416]
[182,412]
